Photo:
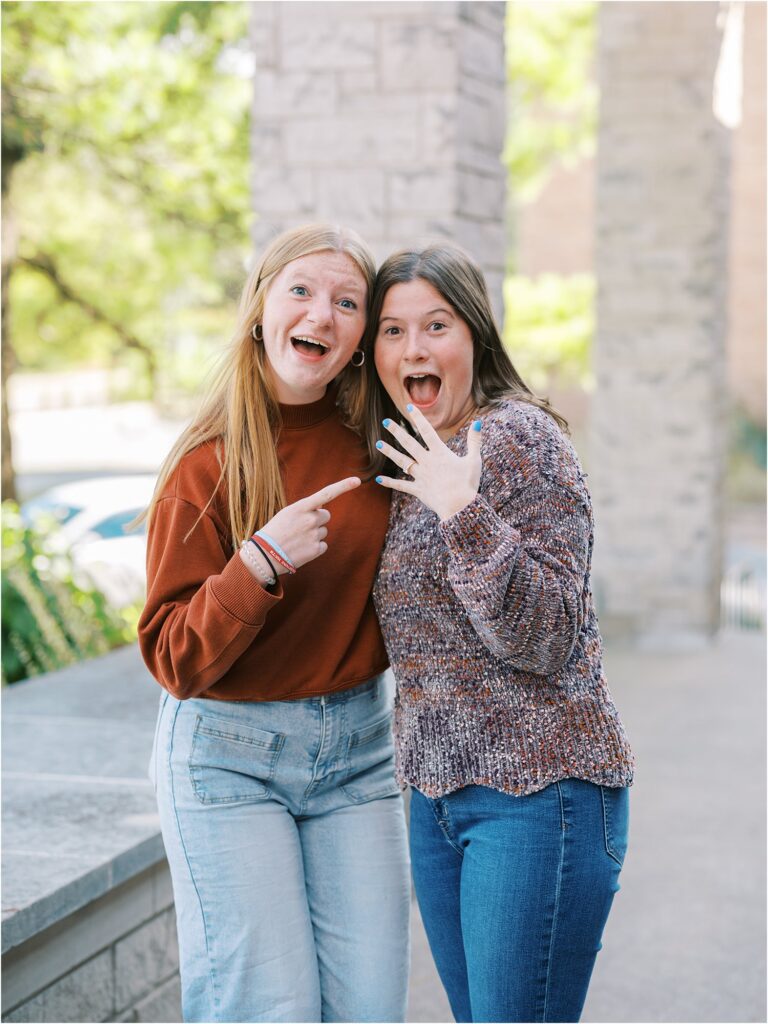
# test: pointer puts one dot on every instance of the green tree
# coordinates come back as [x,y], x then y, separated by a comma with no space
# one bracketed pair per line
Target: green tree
[125,180]
[550,51]
[50,619]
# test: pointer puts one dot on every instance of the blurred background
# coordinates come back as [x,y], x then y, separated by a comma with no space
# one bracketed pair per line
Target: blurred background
[603,162]
[149,149]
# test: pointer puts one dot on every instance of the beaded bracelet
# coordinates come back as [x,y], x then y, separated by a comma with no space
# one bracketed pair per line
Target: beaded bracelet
[265,556]
[268,580]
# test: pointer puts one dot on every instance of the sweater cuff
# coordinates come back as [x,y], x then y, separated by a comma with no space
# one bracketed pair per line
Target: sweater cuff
[477,531]
[242,596]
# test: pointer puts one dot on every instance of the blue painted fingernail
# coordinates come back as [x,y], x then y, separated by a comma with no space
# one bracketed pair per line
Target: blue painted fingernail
[379,444]
[477,425]
[379,479]
[386,423]
[409,407]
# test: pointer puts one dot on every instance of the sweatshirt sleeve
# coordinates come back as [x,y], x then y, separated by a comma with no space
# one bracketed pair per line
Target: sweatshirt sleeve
[519,565]
[203,607]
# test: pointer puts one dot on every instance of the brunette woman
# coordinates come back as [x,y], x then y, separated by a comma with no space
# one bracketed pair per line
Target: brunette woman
[281,818]
[504,726]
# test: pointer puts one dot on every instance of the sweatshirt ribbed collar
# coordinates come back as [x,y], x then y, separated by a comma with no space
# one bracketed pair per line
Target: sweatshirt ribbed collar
[295,417]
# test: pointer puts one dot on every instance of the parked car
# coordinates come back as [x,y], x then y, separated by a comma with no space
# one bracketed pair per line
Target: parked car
[91,517]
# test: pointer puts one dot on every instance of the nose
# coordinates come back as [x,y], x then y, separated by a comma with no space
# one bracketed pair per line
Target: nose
[321,311]
[414,347]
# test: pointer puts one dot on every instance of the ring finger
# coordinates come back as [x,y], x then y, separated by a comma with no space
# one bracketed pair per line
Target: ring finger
[406,462]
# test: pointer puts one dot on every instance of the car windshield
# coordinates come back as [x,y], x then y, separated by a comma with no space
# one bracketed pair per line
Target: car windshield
[115,526]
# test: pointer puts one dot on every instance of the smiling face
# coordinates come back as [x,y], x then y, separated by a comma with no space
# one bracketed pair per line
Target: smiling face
[314,316]
[424,354]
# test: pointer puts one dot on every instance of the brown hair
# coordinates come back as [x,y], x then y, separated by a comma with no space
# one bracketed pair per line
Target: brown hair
[240,410]
[461,283]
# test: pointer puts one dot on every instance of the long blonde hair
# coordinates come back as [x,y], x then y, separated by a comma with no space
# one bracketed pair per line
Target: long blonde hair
[240,411]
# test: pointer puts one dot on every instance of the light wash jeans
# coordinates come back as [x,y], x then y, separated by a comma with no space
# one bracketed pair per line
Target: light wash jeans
[286,838]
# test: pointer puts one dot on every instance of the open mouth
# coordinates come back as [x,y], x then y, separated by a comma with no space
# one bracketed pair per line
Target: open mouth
[423,389]
[309,346]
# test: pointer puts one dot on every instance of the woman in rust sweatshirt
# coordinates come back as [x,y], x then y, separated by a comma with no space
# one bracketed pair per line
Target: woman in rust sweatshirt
[272,761]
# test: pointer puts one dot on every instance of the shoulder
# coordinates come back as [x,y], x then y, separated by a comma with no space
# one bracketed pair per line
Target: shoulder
[197,475]
[524,442]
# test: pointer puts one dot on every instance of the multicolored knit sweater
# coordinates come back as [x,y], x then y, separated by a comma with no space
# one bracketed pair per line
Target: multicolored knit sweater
[490,627]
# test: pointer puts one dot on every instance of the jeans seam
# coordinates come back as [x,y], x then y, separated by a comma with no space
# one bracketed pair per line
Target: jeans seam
[155,753]
[216,1000]
[557,900]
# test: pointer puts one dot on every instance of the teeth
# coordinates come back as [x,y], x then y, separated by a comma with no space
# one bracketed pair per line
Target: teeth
[310,341]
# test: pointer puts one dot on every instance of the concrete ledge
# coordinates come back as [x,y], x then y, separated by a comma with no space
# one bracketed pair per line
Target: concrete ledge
[83,861]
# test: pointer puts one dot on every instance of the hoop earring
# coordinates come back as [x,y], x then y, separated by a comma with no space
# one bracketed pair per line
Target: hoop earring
[257,333]
[358,352]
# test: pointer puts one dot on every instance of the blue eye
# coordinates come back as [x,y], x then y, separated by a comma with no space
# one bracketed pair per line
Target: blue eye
[437,325]
[348,304]
[299,289]
[391,331]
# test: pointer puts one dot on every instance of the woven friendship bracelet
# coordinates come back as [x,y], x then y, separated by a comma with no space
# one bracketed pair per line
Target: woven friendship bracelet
[273,552]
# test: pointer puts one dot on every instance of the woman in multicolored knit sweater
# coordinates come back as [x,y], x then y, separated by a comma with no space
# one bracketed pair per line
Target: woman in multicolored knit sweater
[504,725]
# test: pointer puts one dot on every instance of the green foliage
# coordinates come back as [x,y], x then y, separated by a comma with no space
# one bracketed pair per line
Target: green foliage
[132,122]
[746,458]
[49,620]
[548,328]
[553,115]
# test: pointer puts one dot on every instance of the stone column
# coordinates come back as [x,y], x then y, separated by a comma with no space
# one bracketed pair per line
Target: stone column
[658,428]
[388,117]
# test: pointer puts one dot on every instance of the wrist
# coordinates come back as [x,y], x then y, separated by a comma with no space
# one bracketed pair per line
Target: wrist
[456,504]
[256,565]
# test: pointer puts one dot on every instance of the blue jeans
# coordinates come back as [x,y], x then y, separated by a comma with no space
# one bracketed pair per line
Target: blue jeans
[514,893]
[286,839]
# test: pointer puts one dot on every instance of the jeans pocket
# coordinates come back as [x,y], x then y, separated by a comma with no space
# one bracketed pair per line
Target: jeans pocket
[371,763]
[615,821]
[232,763]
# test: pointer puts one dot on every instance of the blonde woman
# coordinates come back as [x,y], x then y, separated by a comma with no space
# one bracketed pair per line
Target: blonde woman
[281,817]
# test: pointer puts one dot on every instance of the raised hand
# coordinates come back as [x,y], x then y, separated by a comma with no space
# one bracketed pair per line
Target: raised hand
[444,481]
[300,529]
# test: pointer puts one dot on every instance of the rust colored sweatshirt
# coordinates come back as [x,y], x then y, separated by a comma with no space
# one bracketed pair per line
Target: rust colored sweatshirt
[209,629]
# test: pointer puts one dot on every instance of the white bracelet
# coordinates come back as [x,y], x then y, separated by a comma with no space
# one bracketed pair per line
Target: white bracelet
[260,570]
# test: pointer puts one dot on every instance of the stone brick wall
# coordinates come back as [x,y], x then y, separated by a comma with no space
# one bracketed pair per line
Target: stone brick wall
[747,299]
[116,960]
[661,235]
[385,116]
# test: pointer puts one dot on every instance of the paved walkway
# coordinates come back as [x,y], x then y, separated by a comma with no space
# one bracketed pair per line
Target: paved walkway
[686,938]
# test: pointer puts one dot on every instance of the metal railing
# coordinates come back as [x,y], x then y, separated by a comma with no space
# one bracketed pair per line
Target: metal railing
[742,599]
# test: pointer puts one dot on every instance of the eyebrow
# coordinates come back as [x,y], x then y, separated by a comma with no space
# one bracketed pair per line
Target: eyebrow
[430,313]
[349,285]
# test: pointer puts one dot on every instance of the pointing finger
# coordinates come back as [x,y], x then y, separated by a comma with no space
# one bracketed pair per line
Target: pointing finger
[330,492]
